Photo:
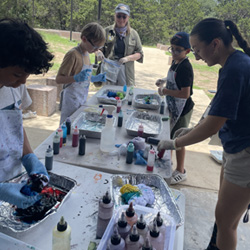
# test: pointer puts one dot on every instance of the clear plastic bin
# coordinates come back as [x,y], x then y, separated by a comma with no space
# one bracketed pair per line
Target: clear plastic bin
[111,68]
[149,214]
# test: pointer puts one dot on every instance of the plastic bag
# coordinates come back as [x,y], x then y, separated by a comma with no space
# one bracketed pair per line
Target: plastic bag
[111,68]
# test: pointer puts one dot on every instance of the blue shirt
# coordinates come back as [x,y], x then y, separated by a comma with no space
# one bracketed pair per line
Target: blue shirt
[232,101]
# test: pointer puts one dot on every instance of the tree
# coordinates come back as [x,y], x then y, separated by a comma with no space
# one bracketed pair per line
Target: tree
[238,12]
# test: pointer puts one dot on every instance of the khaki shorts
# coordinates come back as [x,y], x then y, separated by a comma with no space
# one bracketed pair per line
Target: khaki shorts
[237,167]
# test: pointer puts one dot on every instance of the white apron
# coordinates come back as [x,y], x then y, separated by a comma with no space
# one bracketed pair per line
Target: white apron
[175,105]
[75,95]
[11,142]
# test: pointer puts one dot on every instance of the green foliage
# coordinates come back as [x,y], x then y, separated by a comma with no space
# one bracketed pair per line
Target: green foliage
[155,20]
[238,12]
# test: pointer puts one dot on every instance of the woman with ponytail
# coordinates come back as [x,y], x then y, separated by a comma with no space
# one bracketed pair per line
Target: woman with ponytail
[211,40]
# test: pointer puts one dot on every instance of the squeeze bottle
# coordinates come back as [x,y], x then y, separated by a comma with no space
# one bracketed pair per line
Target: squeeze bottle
[134,241]
[105,212]
[49,158]
[108,132]
[123,226]
[160,224]
[162,108]
[151,160]
[119,105]
[56,143]
[156,237]
[68,125]
[130,153]
[75,137]
[147,245]
[120,119]
[140,130]
[61,236]
[116,242]
[64,128]
[142,227]
[130,214]
[125,88]
[60,132]
[82,145]
[130,96]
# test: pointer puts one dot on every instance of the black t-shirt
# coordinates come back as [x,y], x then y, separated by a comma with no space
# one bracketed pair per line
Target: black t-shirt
[184,78]
[119,47]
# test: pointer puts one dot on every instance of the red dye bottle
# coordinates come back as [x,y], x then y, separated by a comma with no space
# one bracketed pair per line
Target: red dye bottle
[119,105]
[140,130]
[75,137]
[151,160]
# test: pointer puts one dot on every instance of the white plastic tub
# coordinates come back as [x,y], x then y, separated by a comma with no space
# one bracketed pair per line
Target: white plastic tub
[149,215]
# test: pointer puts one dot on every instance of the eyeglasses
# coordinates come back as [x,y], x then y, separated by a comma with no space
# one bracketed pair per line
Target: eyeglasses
[196,54]
[175,51]
[121,16]
[94,47]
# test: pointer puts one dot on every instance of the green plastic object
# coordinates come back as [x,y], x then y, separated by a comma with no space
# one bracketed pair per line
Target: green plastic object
[92,246]
[165,118]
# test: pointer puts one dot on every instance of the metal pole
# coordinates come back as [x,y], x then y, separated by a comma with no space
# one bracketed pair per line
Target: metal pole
[71,20]
[99,10]
[33,14]
[98,18]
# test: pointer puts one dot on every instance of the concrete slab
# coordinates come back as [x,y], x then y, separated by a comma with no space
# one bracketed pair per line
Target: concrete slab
[199,220]
[203,172]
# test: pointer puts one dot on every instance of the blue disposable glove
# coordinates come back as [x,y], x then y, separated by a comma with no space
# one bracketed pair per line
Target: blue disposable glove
[33,165]
[10,192]
[82,76]
[99,78]
[139,158]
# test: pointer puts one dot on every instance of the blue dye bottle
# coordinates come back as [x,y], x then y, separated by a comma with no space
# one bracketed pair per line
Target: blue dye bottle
[64,128]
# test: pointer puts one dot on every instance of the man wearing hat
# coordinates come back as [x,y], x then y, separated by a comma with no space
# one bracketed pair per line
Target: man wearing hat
[123,44]
[178,91]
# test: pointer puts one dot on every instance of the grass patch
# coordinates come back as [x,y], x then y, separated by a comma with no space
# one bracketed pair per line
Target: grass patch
[58,44]
[196,87]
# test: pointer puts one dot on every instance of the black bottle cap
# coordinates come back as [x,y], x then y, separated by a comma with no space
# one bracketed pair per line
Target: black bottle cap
[106,199]
[134,236]
[115,238]
[141,223]
[147,245]
[62,225]
[122,221]
[159,220]
[154,232]
[130,212]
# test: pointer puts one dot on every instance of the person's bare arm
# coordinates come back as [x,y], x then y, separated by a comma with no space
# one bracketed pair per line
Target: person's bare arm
[208,127]
[134,57]
[182,93]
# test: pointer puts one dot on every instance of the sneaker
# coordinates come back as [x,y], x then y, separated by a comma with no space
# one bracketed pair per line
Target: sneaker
[178,177]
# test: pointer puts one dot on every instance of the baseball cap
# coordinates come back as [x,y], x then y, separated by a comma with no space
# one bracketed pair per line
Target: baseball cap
[122,8]
[181,39]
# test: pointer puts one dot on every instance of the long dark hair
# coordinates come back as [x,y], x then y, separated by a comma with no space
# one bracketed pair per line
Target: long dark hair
[211,28]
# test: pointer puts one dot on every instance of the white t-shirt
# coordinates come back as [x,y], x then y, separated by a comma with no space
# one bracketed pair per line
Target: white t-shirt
[21,96]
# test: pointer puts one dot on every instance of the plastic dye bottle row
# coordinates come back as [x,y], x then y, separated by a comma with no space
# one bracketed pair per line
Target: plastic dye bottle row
[132,233]
[60,138]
